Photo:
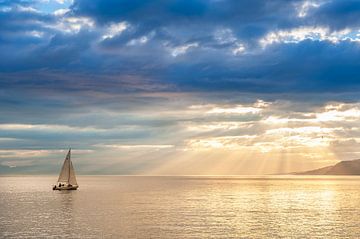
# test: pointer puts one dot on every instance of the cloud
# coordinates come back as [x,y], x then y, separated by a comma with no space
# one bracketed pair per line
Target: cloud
[137,146]
[217,52]
[337,15]
[260,128]
[226,75]
[180,50]
[114,30]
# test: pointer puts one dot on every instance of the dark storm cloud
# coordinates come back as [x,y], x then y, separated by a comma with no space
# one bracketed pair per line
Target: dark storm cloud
[337,14]
[249,19]
[162,13]
[308,65]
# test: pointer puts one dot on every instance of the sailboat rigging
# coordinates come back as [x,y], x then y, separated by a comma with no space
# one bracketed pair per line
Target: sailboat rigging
[67,179]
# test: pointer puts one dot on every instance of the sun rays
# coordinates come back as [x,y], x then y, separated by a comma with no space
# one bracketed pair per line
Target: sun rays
[274,143]
[256,137]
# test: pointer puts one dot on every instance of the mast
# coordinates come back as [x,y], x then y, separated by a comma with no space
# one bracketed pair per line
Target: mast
[69,164]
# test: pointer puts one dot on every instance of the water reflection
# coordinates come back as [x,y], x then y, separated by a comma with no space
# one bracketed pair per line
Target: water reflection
[183,207]
[64,212]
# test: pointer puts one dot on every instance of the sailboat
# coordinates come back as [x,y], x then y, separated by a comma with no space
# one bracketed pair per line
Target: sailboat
[67,179]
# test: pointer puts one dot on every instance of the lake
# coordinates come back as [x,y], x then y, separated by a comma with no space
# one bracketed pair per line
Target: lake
[181,207]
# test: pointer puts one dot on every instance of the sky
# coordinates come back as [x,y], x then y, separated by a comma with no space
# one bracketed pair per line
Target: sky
[178,87]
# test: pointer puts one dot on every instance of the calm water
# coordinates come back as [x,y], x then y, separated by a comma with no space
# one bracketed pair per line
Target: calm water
[181,207]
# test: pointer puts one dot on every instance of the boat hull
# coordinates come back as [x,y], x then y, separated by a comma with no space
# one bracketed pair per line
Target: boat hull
[65,188]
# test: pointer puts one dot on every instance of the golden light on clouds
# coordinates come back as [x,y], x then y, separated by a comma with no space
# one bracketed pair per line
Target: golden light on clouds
[301,139]
[231,138]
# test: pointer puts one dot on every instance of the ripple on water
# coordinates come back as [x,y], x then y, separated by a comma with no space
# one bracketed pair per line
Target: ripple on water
[181,207]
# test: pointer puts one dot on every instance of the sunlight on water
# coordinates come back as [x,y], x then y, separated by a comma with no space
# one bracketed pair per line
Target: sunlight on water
[181,207]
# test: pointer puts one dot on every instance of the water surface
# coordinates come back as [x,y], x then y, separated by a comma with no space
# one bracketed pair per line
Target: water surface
[181,207]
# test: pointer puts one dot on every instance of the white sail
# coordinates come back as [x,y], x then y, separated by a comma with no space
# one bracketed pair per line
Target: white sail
[67,174]
[72,178]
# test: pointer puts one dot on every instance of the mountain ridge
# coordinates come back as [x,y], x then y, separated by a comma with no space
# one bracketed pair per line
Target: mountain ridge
[350,167]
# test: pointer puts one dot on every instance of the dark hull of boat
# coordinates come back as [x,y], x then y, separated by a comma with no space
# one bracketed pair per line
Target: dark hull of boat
[65,188]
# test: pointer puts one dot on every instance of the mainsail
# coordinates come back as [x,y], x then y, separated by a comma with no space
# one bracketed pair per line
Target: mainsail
[67,174]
